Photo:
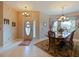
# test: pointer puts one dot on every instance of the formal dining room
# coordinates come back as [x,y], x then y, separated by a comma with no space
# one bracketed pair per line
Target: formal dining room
[39,28]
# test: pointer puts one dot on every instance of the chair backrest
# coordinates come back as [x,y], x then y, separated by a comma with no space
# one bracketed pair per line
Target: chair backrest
[72,35]
[51,34]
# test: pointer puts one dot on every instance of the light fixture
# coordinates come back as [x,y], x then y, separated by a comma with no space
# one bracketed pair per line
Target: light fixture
[26,13]
[62,17]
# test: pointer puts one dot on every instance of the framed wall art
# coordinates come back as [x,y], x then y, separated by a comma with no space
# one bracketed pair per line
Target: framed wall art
[13,24]
[6,21]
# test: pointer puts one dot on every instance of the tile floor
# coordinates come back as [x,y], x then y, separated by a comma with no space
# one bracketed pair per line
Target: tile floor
[24,51]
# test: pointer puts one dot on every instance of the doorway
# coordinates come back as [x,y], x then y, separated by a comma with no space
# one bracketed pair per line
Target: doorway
[29,30]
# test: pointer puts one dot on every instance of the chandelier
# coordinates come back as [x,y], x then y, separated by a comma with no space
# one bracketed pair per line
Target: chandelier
[63,17]
[26,12]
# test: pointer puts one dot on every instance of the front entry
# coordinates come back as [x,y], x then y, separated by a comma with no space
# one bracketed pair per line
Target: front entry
[28,30]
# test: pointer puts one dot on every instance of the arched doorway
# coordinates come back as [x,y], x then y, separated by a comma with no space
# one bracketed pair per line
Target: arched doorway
[29,29]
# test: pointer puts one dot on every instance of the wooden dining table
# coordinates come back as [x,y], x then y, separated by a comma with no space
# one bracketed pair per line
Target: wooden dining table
[59,39]
[62,36]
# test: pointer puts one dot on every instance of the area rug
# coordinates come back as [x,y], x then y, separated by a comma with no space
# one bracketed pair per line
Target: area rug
[45,44]
[25,43]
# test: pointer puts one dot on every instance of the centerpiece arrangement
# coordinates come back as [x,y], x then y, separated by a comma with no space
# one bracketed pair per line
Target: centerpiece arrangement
[60,31]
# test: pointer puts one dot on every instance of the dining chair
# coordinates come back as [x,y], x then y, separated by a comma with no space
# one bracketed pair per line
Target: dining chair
[51,36]
[69,41]
[70,44]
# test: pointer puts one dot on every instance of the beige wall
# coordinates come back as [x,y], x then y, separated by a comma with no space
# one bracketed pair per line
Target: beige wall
[9,32]
[43,29]
[21,19]
[19,26]
[76,35]
[1,23]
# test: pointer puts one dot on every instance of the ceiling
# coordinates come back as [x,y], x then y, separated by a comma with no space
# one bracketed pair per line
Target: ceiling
[46,7]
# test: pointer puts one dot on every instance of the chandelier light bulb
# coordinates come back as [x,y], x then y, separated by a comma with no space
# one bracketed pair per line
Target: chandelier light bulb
[26,13]
[59,19]
[22,13]
[64,17]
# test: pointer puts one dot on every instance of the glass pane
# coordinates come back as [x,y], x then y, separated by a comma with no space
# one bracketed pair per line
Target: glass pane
[27,28]
[69,25]
[34,34]
[54,28]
